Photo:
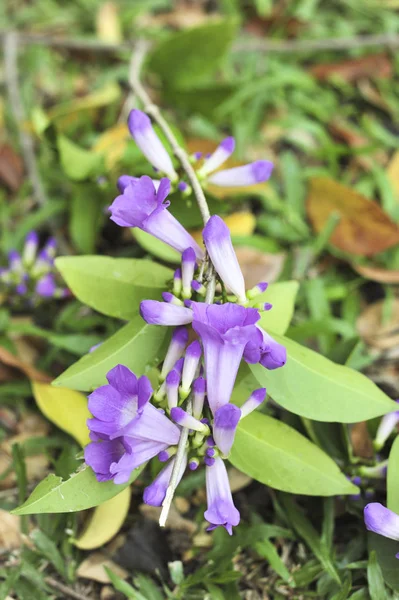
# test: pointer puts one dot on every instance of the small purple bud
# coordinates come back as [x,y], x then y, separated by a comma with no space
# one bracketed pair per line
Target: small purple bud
[163,456]
[175,350]
[198,287]
[199,386]
[210,441]
[172,387]
[182,418]
[30,248]
[209,461]
[182,186]
[215,160]
[256,398]
[179,365]
[193,464]
[211,452]
[188,268]
[171,299]
[21,289]
[191,360]
[15,260]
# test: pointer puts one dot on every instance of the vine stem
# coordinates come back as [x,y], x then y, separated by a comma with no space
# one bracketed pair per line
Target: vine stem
[153,111]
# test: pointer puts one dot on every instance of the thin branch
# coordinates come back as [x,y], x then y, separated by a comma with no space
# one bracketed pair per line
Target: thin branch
[11,41]
[388,40]
[67,591]
[151,109]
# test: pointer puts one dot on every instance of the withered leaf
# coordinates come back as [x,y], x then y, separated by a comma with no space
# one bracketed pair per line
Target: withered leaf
[11,168]
[364,229]
[377,273]
[376,65]
[377,331]
[31,372]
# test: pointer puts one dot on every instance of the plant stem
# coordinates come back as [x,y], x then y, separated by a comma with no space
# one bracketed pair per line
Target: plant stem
[153,111]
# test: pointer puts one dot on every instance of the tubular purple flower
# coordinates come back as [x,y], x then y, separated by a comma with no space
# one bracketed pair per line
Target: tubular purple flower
[188,267]
[100,455]
[149,143]
[250,174]
[387,425]
[175,350]
[225,426]
[198,287]
[225,331]
[253,402]
[125,180]
[183,419]
[219,156]
[269,353]
[381,520]
[193,464]
[199,386]
[155,493]
[30,248]
[177,282]
[15,261]
[46,286]
[191,360]
[168,297]
[141,206]
[218,244]
[167,454]
[172,388]
[221,510]
[50,248]
[140,451]
[164,313]
[259,288]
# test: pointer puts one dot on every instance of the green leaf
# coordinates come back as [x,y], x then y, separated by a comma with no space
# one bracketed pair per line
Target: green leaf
[386,551]
[49,550]
[277,455]
[113,286]
[314,387]
[80,491]
[305,529]
[78,163]
[282,296]
[137,346]
[393,477]
[194,53]
[156,247]
[86,215]
[377,589]
[267,550]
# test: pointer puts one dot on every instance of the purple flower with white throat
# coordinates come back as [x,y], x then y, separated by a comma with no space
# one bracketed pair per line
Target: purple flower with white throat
[381,520]
[269,353]
[188,267]
[141,206]
[220,249]
[165,313]
[251,174]
[149,143]
[175,350]
[155,493]
[225,330]
[225,426]
[221,510]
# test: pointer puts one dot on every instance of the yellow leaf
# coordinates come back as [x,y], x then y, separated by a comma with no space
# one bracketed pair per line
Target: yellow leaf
[393,172]
[105,522]
[108,24]
[109,94]
[112,144]
[240,224]
[65,408]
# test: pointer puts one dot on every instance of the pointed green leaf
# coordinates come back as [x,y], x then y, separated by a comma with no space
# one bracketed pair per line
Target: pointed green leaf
[312,386]
[80,491]
[277,455]
[137,346]
[113,286]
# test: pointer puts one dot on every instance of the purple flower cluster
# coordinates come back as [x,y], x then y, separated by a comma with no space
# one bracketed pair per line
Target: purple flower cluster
[151,146]
[133,423]
[31,275]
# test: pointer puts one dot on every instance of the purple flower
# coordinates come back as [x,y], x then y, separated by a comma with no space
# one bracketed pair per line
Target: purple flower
[175,350]
[221,510]
[255,400]
[250,174]
[225,330]
[21,289]
[188,267]
[381,520]
[15,260]
[155,493]
[30,248]
[225,425]
[46,286]
[125,180]
[172,388]
[269,353]
[218,244]
[141,206]
[221,154]
[198,396]
[191,361]
[165,313]
[149,143]
[101,455]
[387,425]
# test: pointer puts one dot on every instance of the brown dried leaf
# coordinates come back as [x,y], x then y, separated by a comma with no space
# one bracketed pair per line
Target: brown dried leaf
[361,441]
[364,229]
[93,568]
[11,168]
[185,14]
[10,533]
[343,130]
[377,273]
[376,65]
[258,266]
[10,360]
[376,332]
